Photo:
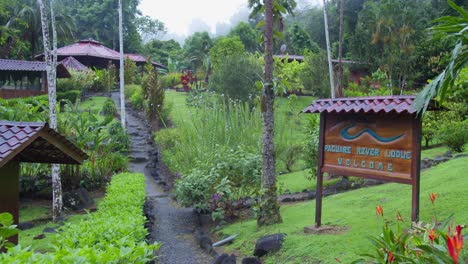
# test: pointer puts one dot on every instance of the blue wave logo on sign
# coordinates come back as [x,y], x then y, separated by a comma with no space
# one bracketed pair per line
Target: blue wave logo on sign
[344,134]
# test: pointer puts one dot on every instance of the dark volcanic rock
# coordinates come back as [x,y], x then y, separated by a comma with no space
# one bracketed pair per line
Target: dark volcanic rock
[25,225]
[225,259]
[49,230]
[268,243]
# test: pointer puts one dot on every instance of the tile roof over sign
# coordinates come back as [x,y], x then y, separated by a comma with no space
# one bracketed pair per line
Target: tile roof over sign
[376,104]
[36,142]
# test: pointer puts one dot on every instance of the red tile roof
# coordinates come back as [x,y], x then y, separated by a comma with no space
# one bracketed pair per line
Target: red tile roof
[74,64]
[376,104]
[19,65]
[36,142]
[34,66]
[88,47]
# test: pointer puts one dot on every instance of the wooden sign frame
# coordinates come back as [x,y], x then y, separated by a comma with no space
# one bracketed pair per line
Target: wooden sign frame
[341,132]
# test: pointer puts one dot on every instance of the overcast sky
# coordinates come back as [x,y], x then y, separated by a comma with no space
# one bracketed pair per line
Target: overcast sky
[184,17]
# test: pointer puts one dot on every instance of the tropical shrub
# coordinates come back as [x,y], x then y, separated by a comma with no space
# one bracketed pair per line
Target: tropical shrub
[236,77]
[153,93]
[109,108]
[313,75]
[436,242]
[105,79]
[81,81]
[233,173]
[114,234]
[287,74]
[455,135]
[71,95]
[130,71]
[137,100]
[226,47]
[170,80]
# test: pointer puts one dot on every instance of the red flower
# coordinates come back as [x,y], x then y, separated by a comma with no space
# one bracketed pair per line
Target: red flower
[432,197]
[379,210]
[391,258]
[455,244]
[432,235]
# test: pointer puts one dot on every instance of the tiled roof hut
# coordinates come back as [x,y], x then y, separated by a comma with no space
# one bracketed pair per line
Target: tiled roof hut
[29,142]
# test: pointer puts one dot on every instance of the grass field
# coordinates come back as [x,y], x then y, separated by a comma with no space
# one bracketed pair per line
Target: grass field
[94,103]
[355,210]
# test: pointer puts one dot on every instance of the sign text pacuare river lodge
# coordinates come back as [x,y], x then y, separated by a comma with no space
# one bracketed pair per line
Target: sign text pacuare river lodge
[370,137]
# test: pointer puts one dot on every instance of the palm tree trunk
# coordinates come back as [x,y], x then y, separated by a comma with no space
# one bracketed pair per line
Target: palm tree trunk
[269,208]
[51,68]
[122,86]
[339,86]
[327,38]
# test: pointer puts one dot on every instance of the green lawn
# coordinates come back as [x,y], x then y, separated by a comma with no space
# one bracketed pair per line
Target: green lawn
[356,210]
[94,103]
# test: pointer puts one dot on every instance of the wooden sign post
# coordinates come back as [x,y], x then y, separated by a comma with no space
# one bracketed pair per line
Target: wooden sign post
[371,137]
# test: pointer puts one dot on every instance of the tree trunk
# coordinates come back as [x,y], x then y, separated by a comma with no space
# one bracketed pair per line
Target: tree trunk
[339,84]
[269,207]
[51,68]
[327,38]
[122,86]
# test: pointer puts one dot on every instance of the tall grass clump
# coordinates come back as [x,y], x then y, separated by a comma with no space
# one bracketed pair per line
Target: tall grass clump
[206,128]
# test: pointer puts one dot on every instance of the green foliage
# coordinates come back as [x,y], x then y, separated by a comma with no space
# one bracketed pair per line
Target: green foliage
[247,35]
[97,20]
[449,27]
[114,234]
[81,81]
[105,79]
[301,41]
[236,77]
[71,95]
[130,71]
[109,108]
[224,48]
[231,174]
[171,79]
[436,125]
[7,229]
[289,73]
[314,75]
[196,48]
[455,135]
[137,100]
[154,94]
[422,243]
[163,51]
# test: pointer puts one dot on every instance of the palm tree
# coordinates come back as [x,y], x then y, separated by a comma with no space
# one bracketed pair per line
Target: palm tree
[31,15]
[122,86]
[448,27]
[269,208]
[51,68]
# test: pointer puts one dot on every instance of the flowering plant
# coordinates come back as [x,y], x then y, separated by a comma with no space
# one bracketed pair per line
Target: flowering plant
[422,243]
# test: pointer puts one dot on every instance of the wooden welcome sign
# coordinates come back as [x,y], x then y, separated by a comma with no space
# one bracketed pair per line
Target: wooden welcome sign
[370,137]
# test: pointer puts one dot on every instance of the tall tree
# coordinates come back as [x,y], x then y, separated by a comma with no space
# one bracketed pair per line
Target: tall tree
[51,69]
[330,67]
[122,81]
[247,35]
[339,83]
[269,209]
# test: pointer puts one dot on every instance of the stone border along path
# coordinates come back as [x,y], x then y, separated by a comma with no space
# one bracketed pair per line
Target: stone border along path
[174,227]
